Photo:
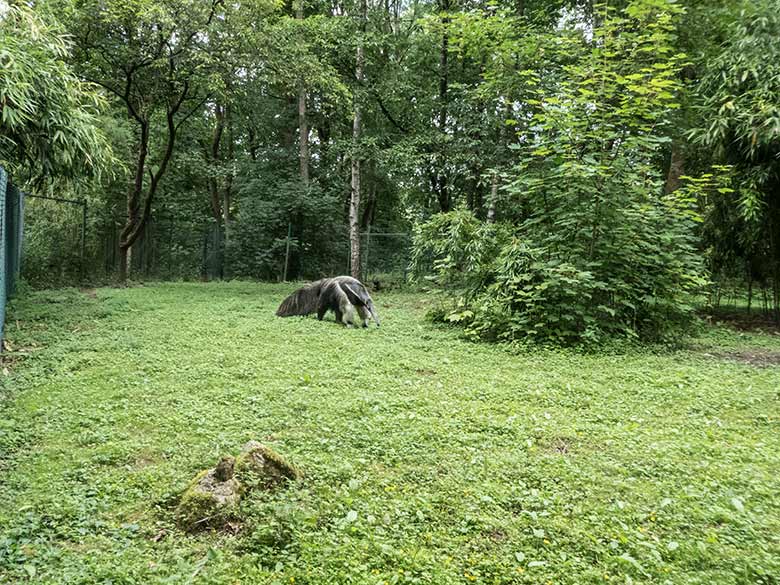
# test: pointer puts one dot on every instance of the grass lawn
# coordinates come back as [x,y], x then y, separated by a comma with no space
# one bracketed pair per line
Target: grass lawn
[427,459]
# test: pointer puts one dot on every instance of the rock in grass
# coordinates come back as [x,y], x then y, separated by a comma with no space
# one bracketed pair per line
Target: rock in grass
[211,500]
[262,466]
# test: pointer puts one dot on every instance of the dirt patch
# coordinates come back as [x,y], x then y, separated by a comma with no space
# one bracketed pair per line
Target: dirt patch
[90,292]
[761,358]
[741,320]
[425,372]
[559,445]
[145,459]
[496,535]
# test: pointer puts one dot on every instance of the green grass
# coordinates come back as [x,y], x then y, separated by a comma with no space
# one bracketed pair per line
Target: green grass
[427,459]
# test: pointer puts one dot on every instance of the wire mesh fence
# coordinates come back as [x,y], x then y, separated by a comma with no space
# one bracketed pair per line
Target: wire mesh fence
[55,241]
[11,229]
[176,249]
[385,256]
[68,244]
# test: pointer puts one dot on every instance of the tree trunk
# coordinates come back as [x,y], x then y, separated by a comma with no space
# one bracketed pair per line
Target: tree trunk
[227,194]
[491,212]
[442,187]
[134,199]
[138,212]
[213,154]
[303,126]
[252,143]
[122,264]
[354,201]
[304,136]
[676,168]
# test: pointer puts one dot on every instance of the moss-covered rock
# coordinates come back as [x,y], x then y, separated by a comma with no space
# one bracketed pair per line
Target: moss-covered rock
[261,465]
[211,499]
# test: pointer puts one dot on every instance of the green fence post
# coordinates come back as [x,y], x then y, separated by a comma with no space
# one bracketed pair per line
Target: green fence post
[19,238]
[3,251]
[13,237]
[83,240]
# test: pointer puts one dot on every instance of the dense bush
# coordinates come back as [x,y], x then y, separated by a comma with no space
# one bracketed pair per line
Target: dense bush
[598,251]
[510,287]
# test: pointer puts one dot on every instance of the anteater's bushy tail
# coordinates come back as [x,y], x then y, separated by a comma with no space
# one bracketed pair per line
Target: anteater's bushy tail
[302,302]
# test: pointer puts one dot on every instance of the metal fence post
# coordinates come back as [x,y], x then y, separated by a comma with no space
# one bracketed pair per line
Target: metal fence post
[11,242]
[20,236]
[287,252]
[365,256]
[83,240]
[3,242]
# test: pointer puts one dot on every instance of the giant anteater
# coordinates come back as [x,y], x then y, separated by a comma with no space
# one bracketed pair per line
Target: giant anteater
[344,295]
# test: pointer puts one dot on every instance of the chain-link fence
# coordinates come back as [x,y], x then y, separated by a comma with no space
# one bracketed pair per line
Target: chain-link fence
[11,229]
[167,249]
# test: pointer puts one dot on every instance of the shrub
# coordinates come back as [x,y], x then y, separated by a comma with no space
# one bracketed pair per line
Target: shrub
[599,251]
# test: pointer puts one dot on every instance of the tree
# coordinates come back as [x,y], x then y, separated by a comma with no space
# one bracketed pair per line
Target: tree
[740,116]
[595,251]
[49,119]
[150,56]
[354,202]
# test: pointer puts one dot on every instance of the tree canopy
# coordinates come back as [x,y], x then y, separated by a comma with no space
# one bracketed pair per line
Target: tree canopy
[574,170]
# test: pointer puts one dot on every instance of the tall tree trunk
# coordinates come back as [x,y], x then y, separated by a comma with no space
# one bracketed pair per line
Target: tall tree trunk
[304,136]
[252,143]
[227,194]
[354,201]
[123,264]
[504,140]
[214,157]
[442,186]
[138,212]
[303,126]
[134,192]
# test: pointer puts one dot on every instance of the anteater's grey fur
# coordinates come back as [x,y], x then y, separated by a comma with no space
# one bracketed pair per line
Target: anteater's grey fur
[344,295]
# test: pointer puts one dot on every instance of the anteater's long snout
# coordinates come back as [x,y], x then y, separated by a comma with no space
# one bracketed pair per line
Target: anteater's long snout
[374,315]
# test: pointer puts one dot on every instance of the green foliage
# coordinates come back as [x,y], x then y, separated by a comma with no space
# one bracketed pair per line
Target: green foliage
[52,243]
[597,252]
[268,206]
[49,125]
[739,119]
[458,248]
[453,462]
[742,83]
